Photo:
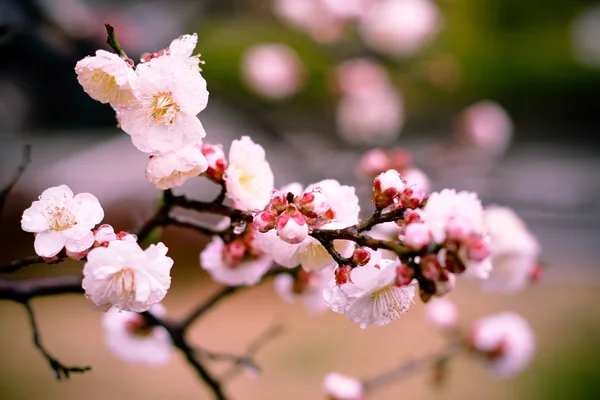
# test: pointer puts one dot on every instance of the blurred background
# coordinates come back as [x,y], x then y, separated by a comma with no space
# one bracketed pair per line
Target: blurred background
[495,96]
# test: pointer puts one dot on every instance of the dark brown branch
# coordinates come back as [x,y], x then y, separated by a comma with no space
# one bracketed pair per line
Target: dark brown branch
[25,160]
[60,370]
[16,265]
[213,208]
[191,225]
[22,290]
[160,218]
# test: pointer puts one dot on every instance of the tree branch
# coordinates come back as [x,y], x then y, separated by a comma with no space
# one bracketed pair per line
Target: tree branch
[60,370]
[213,208]
[16,265]
[22,290]
[25,160]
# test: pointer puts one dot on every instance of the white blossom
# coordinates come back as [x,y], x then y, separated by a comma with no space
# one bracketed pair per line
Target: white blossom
[126,277]
[514,249]
[506,339]
[248,271]
[163,117]
[129,337]
[172,169]
[371,297]
[248,178]
[272,70]
[343,387]
[108,78]
[61,219]
[447,205]
[307,287]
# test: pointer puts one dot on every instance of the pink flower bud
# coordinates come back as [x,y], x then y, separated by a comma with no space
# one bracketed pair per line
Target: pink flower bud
[264,221]
[104,234]
[126,236]
[233,253]
[412,196]
[430,267]
[477,248]
[453,263]
[292,226]
[373,162]
[342,274]
[313,204]
[404,275]
[217,163]
[361,256]
[445,283]
[278,202]
[411,216]
[417,235]
[536,273]
[386,187]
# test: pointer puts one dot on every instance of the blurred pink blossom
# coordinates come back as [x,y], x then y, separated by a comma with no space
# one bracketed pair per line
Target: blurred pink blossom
[400,27]
[272,70]
[486,125]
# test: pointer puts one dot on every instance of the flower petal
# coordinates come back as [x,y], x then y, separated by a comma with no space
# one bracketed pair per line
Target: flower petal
[49,243]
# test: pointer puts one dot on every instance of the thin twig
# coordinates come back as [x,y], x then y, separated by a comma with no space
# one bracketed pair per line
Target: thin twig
[60,370]
[411,367]
[112,41]
[213,208]
[24,289]
[25,160]
[160,217]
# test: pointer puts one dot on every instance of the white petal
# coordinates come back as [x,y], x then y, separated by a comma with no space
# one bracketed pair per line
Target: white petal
[34,218]
[49,243]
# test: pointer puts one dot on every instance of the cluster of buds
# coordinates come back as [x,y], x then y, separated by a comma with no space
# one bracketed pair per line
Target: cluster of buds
[293,216]
[103,235]
[391,189]
[242,248]
[217,162]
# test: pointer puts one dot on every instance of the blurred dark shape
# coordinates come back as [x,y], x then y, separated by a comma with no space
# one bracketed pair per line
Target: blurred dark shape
[38,87]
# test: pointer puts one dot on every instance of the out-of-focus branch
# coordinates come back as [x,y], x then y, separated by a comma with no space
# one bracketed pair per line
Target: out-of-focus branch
[60,370]
[22,290]
[411,367]
[25,160]
[16,265]
[213,208]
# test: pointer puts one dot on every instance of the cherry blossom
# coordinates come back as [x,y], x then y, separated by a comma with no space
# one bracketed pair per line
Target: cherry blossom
[515,251]
[172,169]
[126,277]
[486,125]
[343,387]
[506,340]
[371,296]
[129,337]
[60,219]
[163,117]
[108,78]
[306,286]
[272,70]
[248,179]
[236,263]
[400,27]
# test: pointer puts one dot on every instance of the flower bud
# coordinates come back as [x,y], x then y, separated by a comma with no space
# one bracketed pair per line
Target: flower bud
[104,234]
[217,162]
[457,230]
[291,226]
[412,196]
[313,204]
[361,256]
[404,275]
[476,248]
[417,235]
[386,187]
[453,263]
[445,283]
[430,267]
[411,216]
[126,236]
[264,221]
[278,202]
[342,274]
[233,252]
[373,162]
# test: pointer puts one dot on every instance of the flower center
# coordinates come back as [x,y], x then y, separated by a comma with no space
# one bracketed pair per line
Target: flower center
[390,302]
[60,218]
[138,326]
[124,285]
[163,108]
